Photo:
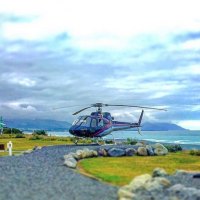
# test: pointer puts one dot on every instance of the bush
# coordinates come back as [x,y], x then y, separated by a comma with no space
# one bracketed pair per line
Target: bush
[131,141]
[19,136]
[109,142]
[40,132]
[173,148]
[195,152]
[12,131]
[36,137]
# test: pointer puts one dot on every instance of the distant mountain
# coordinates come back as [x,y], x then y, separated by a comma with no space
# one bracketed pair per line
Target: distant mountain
[38,124]
[148,126]
[53,125]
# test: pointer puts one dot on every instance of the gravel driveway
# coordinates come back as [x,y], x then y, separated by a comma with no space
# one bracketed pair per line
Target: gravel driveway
[41,175]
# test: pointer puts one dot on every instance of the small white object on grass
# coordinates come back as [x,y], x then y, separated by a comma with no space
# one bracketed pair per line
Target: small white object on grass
[10,146]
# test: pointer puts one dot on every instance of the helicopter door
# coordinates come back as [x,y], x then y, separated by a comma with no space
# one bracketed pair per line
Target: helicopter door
[93,123]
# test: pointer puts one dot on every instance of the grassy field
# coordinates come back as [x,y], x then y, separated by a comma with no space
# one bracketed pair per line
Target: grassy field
[22,144]
[120,171]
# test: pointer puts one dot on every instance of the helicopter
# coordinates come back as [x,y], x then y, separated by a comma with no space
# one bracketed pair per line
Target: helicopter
[99,124]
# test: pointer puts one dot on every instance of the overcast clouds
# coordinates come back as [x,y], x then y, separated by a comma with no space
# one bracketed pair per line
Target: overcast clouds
[64,53]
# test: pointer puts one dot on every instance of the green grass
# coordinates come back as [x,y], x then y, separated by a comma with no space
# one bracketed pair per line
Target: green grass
[22,144]
[121,170]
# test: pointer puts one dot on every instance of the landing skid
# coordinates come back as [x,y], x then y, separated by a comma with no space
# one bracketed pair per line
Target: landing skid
[99,140]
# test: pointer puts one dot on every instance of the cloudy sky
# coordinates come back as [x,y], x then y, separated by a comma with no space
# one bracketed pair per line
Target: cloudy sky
[64,53]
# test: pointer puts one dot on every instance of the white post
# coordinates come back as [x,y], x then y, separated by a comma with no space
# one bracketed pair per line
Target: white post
[10,146]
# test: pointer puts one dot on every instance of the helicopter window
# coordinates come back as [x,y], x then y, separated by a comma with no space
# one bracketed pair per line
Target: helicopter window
[87,122]
[94,123]
[79,121]
[100,122]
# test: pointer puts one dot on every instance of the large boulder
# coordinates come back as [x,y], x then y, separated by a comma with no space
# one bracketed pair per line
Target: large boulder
[150,150]
[139,182]
[70,162]
[130,152]
[71,155]
[181,192]
[142,151]
[79,154]
[116,152]
[94,153]
[102,152]
[160,150]
[86,153]
[159,172]
[139,144]
[143,187]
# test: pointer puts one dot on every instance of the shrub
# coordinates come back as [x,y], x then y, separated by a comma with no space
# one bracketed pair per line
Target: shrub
[36,137]
[12,131]
[40,132]
[19,136]
[131,141]
[195,152]
[173,148]
[109,142]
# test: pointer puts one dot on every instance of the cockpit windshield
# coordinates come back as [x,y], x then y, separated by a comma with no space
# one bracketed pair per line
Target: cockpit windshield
[88,121]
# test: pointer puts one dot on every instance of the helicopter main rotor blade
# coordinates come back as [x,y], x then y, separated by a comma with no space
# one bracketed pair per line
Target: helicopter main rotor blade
[82,110]
[145,107]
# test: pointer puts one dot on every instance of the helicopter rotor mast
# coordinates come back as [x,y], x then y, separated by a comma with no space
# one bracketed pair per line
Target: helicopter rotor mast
[100,105]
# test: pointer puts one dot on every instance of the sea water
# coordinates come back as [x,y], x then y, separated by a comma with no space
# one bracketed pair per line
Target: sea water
[186,138]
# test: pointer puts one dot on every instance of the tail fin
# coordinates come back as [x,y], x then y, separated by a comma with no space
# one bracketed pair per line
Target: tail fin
[140,119]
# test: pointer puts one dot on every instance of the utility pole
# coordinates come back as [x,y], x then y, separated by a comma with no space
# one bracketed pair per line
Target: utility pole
[1,125]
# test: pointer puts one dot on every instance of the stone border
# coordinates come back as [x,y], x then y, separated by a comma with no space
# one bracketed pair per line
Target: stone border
[71,159]
[158,186]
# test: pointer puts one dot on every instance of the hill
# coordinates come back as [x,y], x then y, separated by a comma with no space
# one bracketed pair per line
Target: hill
[148,126]
[53,125]
[36,124]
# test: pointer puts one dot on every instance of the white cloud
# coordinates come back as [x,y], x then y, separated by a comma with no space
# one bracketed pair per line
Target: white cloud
[191,45]
[18,79]
[17,105]
[190,124]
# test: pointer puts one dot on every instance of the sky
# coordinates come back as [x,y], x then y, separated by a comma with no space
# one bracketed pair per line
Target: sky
[71,54]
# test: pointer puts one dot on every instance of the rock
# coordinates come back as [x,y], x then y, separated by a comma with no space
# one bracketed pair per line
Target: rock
[70,162]
[159,172]
[181,192]
[79,154]
[139,182]
[157,183]
[125,193]
[86,153]
[150,150]
[146,182]
[116,152]
[181,172]
[28,151]
[139,144]
[142,151]
[160,150]
[70,155]
[102,152]
[130,152]
[37,148]
[94,153]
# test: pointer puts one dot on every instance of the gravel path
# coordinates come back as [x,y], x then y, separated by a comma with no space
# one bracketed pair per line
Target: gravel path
[41,175]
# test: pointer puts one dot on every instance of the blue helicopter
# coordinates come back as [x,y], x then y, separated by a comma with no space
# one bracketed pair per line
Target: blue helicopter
[99,124]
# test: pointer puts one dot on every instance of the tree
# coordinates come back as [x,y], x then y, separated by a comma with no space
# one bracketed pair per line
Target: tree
[12,131]
[40,132]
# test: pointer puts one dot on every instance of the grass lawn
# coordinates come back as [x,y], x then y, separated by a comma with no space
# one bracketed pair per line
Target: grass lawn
[120,171]
[22,144]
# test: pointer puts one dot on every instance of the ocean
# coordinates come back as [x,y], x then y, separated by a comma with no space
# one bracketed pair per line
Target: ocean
[187,139]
